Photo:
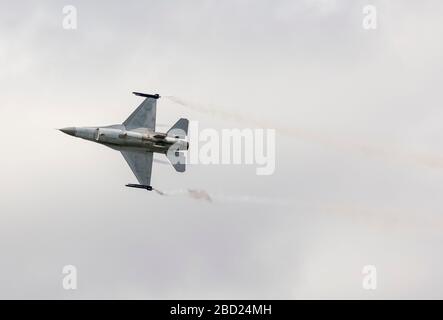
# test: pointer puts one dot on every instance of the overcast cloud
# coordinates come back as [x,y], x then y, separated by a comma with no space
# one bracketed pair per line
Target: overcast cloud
[359,161]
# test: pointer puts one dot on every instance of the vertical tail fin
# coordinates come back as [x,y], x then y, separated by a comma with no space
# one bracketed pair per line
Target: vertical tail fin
[179,129]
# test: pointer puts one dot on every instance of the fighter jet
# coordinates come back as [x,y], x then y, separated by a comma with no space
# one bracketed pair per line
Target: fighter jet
[137,140]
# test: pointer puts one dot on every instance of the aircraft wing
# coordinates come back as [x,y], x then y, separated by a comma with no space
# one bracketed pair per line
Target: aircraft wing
[140,164]
[144,115]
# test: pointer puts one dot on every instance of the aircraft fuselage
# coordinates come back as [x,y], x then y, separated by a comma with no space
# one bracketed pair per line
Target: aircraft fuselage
[117,137]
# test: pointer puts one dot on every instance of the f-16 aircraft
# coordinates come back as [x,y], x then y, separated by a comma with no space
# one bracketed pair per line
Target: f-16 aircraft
[137,140]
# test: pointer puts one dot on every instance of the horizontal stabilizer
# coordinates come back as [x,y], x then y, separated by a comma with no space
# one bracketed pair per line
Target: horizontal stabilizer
[177,160]
[179,129]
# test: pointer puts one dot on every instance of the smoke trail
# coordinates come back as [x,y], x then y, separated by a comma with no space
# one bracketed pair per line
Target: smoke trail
[403,219]
[389,153]
[203,195]
[399,219]
[250,199]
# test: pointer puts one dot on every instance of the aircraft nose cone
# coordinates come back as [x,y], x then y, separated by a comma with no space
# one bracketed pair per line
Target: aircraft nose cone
[70,130]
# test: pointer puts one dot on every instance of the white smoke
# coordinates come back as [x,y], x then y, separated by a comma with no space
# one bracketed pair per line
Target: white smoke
[389,153]
[203,195]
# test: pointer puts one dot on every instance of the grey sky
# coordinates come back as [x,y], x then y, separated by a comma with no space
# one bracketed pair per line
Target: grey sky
[359,149]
